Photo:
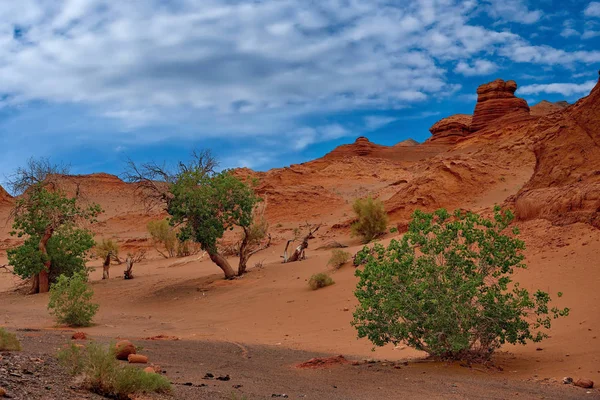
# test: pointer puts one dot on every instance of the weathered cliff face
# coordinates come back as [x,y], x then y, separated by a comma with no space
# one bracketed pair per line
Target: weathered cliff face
[451,129]
[565,186]
[4,196]
[497,99]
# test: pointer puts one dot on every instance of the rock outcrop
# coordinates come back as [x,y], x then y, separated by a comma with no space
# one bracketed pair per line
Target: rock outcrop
[451,129]
[4,196]
[545,107]
[497,99]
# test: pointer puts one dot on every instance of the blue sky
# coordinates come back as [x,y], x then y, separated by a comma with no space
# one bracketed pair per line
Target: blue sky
[268,83]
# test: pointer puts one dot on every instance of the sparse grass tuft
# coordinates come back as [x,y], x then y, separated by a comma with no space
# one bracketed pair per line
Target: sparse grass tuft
[321,280]
[9,341]
[103,374]
[338,258]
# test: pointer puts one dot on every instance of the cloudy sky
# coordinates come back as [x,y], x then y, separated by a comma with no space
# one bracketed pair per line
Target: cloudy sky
[268,83]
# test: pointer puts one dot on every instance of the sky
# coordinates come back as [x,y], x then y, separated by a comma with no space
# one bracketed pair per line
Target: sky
[267,84]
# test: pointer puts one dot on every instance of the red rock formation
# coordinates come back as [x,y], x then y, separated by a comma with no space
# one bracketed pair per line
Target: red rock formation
[451,129]
[4,196]
[407,150]
[545,107]
[497,99]
[565,186]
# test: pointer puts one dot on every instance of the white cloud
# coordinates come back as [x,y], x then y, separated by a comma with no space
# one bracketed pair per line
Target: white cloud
[373,122]
[566,89]
[513,10]
[593,9]
[479,67]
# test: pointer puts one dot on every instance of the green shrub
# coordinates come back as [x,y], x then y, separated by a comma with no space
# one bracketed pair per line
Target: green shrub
[321,280]
[162,233]
[338,258]
[371,218]
[70,300]
[107,247]
[103,374]
[446,289]
[9,341]
[393,229]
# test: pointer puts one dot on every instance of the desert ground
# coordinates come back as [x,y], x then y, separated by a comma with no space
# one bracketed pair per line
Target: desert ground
[543,162]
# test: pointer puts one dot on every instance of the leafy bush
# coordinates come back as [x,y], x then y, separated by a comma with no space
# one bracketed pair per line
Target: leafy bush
[321,280]
[70,300]
[162,233]
[9,341]
[371,218]
[446,288]
[338,258]
[107,247]
[103,374]
[393,229]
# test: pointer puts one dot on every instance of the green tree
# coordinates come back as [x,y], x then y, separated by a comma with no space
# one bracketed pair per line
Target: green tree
[371,218]
[202,203]
[70,300]
[445,288]
[49,220]
[107,250]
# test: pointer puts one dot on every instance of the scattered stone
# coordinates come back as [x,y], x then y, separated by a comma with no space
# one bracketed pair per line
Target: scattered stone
[123,349]
[79,336]
[137,359]
[208,375]
[2,392]
[223,378]
[149,370]
[567,380]
[585,383]
[285,396]
[237,386]
[539,349]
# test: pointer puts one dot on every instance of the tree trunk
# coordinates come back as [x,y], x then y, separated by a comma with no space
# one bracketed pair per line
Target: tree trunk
[44,275]
[223,264]
[129,271]
[35,284]
[106,267]
[244,254]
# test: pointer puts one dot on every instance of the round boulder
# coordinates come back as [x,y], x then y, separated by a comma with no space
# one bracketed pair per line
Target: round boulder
[123,349]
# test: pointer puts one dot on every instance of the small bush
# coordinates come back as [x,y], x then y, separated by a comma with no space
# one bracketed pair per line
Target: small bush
[70,300]
[9,341]
[162,233]
[371,218]
[445,288]
[338,258]
[321,280]
[103,374]
[107,247]
[393,229]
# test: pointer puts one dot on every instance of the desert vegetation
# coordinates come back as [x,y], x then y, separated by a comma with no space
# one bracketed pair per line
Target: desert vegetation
[371,218]
[445,288]
[107,250]
[338,258]
[9,341]
[70,300]
[102,373]
[320,280]
[50,221]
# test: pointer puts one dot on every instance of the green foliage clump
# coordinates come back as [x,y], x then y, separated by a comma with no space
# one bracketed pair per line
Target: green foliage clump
[371,218]
[162,233]
[41,213]
[103,374]
[320,280]
[338,258]
[445,288]
[106,248]
[393,229]
[9,341]
[70,300]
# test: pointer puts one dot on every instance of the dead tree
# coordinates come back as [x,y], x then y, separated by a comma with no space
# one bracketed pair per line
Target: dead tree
[130,261]
[247,250]
[300,251]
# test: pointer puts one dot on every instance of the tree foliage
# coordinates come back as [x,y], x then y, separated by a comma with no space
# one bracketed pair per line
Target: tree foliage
[371,218]
[163,234]
[202,203]
[70,300]
[49,221]
[445,288]
[107,248]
